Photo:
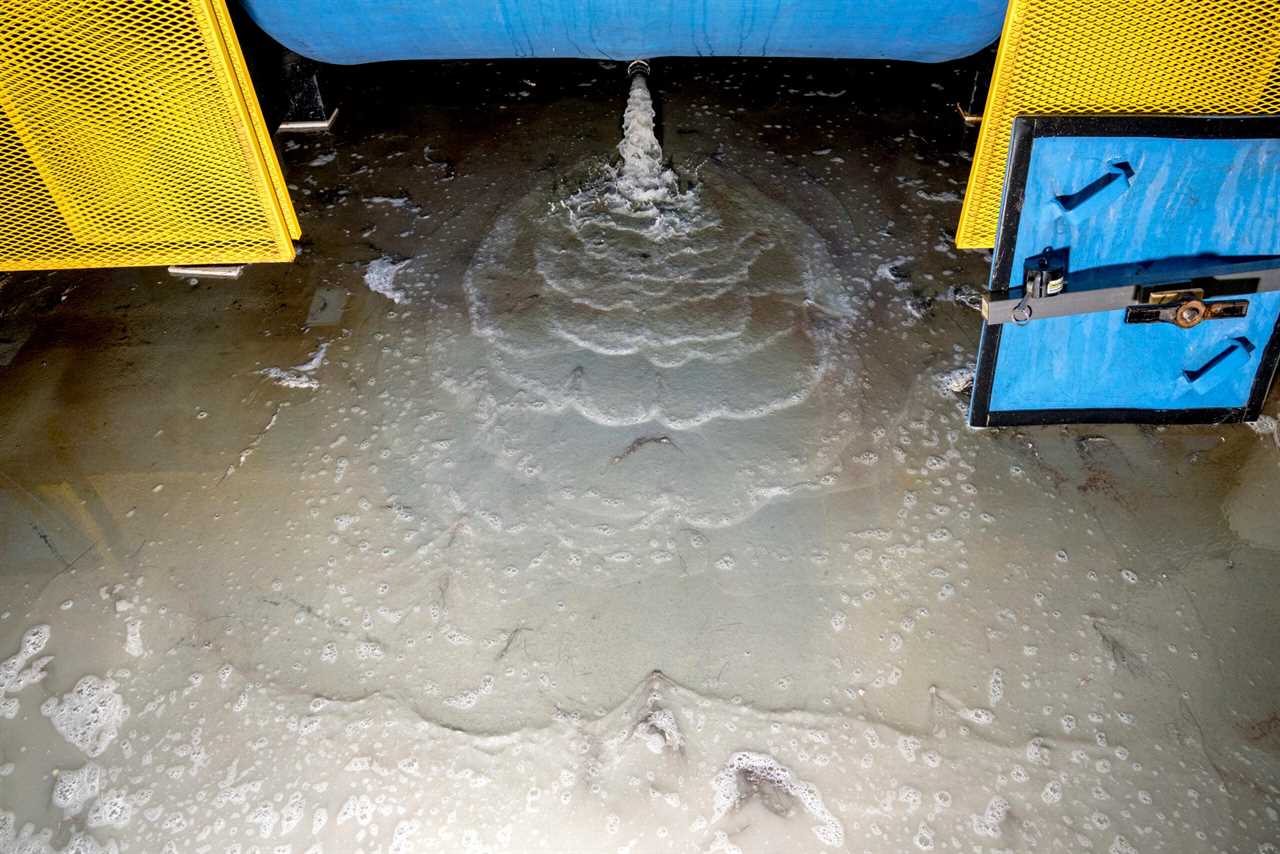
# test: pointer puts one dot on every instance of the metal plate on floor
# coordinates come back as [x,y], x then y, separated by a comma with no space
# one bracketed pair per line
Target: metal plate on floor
[327,305]
[1113,210]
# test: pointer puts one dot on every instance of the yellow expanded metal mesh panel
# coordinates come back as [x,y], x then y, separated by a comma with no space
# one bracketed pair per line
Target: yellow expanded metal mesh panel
[1118,56]
[130,135]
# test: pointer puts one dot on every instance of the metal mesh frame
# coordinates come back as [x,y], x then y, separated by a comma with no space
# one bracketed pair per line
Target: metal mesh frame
[130,135]
[1097,57]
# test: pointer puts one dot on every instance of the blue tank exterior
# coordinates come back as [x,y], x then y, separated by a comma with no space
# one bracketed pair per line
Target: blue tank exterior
[356,31]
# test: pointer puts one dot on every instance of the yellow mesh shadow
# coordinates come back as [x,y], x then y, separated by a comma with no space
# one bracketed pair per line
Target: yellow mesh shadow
[1118,56]
[130,135]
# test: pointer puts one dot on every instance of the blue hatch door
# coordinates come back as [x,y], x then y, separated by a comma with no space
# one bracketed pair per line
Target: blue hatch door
[1136,273]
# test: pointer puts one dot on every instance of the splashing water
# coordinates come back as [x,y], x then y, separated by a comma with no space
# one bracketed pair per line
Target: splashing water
[644,179]
[642,194]
[636,307]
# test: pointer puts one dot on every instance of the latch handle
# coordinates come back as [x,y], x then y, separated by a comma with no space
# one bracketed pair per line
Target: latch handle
[1231,358]
[1099,193]
[1184,309]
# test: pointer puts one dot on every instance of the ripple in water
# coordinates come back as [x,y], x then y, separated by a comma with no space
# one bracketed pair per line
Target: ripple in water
[688,341]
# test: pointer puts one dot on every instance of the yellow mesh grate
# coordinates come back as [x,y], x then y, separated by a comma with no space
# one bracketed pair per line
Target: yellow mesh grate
[130,135]
[1118,56]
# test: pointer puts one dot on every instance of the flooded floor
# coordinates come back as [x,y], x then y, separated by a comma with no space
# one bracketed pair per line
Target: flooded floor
[553,501]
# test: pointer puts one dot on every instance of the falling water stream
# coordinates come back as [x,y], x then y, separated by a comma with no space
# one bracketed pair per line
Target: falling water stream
[644,179]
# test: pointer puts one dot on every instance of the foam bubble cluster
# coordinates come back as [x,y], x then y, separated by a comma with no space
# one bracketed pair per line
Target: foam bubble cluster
[15,674]
[89,716]
[73,789]
[760,769]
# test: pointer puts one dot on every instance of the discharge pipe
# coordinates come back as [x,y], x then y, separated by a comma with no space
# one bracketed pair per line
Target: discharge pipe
[639,68]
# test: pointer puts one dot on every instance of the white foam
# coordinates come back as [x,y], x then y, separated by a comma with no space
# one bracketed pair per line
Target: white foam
[299,376]
[644,179]
[955,381]
[710,317]
[16,675]
[89,716]
[317,359]
[633,301]
[133,638]
[888,270]
[73,789]
[981,717]
[988,824]
[763,769]
[289,379]
[380,277]
[113,809]
[29,840]
[660,731]
[1266,425]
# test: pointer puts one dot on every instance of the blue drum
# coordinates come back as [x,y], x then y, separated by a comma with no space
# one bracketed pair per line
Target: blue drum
[355,31]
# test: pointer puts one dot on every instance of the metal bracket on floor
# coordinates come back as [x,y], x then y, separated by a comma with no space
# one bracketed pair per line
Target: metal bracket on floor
[970,119]
[206,271]
[306,112]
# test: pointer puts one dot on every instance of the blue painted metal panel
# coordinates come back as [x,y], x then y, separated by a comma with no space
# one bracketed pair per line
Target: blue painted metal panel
[1185,197]
[355,31]
[1166,197]
[1097,361]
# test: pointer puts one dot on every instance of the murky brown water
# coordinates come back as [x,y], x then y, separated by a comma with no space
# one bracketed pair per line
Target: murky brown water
[607,539]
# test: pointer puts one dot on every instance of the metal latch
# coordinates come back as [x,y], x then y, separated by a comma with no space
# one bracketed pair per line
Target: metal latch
[1184,308]
[1182,290]
[1043,275]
